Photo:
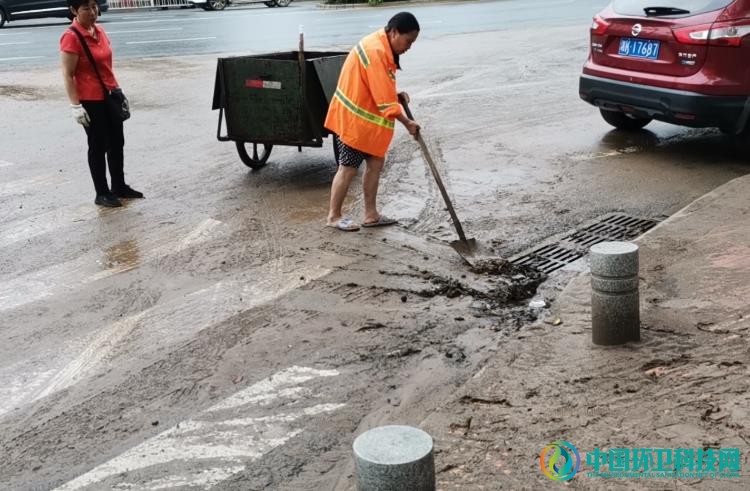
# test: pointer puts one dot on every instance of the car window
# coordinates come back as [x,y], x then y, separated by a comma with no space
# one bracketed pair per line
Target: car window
[635,7]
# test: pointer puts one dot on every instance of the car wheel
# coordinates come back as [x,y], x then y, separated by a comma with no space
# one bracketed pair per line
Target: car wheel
[269,4]
[2,17]
[206,7]
[217,4]
[623,121]
[283,3]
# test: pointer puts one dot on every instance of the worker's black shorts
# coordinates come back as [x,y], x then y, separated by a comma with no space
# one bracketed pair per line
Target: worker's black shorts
[348,156]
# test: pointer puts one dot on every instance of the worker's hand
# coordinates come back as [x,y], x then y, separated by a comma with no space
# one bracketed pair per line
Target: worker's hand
[403,96]
[80,115]
[412,127]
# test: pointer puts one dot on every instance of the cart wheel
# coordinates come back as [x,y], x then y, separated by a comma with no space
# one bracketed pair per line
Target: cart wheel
[254,161]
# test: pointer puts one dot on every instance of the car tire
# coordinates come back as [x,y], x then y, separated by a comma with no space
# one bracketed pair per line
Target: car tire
[283,3]
[206,7]
[623,121]
[269,4]
[217,4]
[3,17]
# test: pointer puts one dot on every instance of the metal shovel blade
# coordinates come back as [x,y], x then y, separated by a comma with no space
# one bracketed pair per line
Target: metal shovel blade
[466,248]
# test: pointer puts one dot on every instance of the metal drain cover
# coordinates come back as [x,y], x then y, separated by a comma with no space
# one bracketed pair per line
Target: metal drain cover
[573,246]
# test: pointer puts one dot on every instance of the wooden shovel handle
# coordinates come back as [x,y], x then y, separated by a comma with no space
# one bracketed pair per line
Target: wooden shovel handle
[435,174]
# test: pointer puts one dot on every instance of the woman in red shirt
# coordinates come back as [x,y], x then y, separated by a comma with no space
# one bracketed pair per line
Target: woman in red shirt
[104,132]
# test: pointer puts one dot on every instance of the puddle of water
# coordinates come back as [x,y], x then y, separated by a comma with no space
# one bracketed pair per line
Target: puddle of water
[303,206]
[122,256]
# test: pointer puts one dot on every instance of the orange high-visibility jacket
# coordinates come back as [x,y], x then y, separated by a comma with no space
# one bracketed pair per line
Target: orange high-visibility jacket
[364,108]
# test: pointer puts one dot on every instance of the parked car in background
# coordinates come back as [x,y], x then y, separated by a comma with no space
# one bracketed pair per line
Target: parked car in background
[34,9]
[680,61]
[221,4]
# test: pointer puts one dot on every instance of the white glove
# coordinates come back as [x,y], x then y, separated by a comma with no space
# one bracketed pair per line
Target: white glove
[80,114]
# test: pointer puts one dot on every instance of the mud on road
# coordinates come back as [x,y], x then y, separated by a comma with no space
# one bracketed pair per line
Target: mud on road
[216,333]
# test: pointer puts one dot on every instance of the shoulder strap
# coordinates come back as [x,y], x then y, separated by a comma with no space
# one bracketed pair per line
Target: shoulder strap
[86,49]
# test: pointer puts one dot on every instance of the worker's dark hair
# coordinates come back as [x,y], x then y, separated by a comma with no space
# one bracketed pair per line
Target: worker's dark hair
[403,22]
[76,4]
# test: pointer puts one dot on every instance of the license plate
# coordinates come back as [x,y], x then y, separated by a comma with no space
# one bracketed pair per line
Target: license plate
[639,48]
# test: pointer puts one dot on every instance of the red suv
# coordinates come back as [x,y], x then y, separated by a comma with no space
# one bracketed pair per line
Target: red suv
[685,62]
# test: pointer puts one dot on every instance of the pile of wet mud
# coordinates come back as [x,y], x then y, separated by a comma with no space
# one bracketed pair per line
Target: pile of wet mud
[507,283]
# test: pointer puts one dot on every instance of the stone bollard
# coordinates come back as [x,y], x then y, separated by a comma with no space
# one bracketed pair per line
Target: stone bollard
[394,458]
[615,315]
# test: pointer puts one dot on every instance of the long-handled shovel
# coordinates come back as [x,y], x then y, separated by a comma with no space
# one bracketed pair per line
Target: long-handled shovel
[465,247]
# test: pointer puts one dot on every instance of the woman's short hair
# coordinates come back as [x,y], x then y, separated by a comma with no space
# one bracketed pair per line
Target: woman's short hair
[76,4]
[403,22]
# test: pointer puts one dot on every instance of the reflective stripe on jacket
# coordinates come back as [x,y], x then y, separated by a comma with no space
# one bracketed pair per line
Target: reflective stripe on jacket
[364,108]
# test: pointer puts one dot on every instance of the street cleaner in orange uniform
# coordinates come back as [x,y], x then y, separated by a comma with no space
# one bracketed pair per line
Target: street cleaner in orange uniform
[362,116]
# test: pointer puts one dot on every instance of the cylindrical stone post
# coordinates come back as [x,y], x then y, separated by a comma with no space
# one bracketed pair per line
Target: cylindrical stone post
[615,317]
[394,458]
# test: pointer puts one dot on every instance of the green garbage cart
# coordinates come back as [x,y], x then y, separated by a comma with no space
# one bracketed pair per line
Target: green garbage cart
[275,99]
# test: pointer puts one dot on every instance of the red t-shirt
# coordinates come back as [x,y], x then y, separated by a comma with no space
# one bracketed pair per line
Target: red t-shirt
[87,83]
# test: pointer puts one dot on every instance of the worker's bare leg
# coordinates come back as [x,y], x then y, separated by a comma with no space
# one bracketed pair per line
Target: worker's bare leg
[370,183]
[339,188]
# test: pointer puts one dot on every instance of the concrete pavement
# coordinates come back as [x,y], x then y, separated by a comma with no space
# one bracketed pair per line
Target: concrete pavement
[684,385]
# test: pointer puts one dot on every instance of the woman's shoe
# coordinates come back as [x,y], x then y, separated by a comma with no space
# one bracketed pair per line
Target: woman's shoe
[108,200]
[127,192]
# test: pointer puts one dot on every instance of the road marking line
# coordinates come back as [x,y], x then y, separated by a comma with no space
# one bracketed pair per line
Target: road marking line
[23,186]
[145,30]
[37,225]
[157,21]
[13,58]
[261,390]
[204,479]
[5,163]
[427,94]
[19,33]
[170,40]
[232,441]
[201,233]
[15,43]
[100,346]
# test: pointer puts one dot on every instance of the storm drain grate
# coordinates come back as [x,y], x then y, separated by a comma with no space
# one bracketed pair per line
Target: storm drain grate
[575,245]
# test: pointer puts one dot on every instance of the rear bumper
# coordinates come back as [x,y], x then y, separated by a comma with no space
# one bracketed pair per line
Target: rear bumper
[671,106]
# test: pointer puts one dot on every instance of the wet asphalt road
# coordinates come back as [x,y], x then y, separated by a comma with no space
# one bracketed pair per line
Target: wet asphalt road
[215,333]
[255,28]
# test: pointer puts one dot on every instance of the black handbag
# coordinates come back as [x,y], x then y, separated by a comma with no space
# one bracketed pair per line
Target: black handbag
[117,104]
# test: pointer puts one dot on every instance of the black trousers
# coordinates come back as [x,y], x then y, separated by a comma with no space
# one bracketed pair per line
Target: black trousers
[106,139]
